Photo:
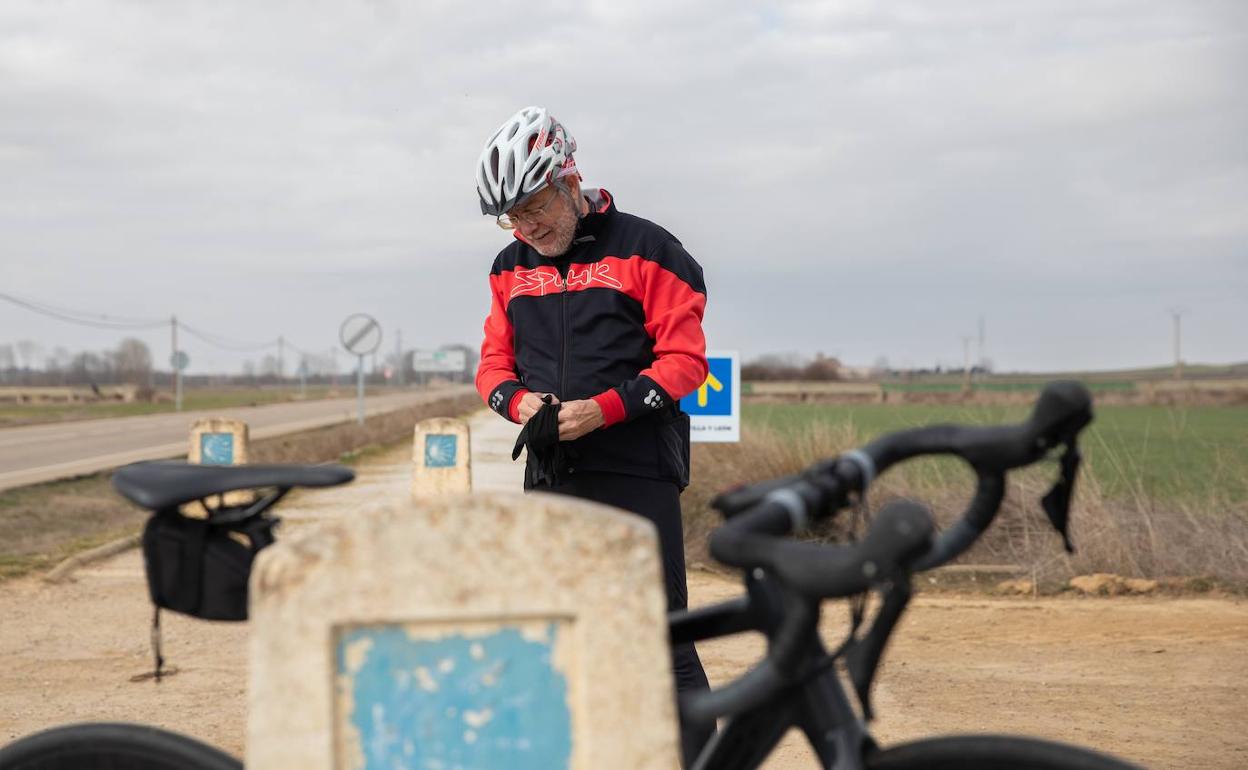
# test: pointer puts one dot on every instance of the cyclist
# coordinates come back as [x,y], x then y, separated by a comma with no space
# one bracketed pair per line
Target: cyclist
[600,311]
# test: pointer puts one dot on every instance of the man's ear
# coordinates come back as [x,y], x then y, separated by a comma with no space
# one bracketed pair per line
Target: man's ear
[574,189]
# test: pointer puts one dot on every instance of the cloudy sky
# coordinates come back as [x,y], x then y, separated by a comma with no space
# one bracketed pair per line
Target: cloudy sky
[859,178]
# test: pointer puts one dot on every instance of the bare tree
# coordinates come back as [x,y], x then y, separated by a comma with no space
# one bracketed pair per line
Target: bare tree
[133,360]
[88,368]
[58,364]
[822,368]
[8,363]
[29,351]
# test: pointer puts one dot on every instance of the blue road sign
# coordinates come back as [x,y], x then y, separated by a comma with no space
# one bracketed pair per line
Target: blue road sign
[216,449]
[441,450]
[714,397]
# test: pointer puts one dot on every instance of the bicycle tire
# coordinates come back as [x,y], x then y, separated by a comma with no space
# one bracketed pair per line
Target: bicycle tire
[112,746]
[991,752]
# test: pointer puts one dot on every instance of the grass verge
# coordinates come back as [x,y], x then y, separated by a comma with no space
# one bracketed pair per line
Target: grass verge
[42,524]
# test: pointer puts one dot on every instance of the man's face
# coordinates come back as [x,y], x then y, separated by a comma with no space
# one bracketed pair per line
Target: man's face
[547,221]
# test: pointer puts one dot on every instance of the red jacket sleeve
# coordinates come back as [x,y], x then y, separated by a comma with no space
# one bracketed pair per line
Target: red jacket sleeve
[497,381]
[674,301]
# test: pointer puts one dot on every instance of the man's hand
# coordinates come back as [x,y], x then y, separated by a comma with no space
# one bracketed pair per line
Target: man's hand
[530,403]
[576,418]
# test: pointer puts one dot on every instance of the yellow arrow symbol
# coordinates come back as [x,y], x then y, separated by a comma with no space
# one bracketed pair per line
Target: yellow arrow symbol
[712,382]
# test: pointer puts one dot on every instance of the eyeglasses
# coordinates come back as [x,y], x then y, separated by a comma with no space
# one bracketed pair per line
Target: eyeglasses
[510,220]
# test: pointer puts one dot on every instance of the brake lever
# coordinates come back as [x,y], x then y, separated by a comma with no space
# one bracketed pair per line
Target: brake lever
[862,659]
[1057,502]
[742,497]
[822,475]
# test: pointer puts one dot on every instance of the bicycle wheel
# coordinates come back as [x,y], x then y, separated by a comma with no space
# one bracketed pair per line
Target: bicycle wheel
[991,752]
[112,746]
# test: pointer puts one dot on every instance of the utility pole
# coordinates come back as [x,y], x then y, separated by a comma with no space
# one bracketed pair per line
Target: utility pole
[966,365]
[981,342]
[177,370]
[281,359]
[398,357]
[1177,315]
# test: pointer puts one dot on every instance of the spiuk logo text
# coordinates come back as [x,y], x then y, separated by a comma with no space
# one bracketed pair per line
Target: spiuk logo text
[541,280]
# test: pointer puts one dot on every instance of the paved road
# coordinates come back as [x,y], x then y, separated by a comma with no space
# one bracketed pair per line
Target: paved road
[45,452]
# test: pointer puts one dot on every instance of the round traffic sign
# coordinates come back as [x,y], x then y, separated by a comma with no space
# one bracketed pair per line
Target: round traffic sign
[180,360]
[360,334]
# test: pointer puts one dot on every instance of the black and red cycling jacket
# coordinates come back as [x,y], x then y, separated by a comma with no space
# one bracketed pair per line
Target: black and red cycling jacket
[617,319]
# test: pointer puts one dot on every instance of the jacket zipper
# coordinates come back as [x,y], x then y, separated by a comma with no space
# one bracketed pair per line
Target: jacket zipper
[563,357]
[577,245]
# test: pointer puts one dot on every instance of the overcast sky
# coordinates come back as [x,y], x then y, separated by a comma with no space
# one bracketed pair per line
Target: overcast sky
[859,178]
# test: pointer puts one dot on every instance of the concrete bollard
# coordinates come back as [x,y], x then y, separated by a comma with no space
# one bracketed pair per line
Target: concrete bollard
[441,458]
[525,632]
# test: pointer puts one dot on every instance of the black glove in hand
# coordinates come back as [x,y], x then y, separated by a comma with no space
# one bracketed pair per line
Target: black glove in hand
[540,435]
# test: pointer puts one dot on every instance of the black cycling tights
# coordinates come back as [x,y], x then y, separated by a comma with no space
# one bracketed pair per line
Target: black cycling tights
[658,501]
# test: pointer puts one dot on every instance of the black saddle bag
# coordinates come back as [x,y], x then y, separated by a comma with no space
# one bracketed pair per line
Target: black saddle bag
[200,567]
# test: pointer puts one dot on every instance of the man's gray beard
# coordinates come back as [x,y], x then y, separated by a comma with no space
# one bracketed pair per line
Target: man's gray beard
[565,232]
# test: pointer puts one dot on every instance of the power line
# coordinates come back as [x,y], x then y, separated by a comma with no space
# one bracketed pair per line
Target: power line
[104,321]
[298,350]
[223,342]
[305,353]
[95,320]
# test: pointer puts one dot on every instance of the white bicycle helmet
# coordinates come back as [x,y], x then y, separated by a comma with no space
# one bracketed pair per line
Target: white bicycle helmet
[525,154]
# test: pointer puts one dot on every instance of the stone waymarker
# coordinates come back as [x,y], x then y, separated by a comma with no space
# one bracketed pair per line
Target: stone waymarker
[441,458]
[491,631]
[219,441]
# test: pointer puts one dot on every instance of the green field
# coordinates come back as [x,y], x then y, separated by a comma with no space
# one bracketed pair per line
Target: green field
[1196,455]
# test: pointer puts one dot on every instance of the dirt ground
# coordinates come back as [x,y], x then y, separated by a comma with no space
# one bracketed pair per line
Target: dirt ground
[1162,681]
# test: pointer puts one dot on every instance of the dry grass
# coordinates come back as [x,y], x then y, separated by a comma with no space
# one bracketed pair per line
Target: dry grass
[42,524]
[1132,536]
[762,453]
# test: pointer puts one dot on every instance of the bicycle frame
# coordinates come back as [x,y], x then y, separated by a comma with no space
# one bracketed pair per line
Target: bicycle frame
[817,705]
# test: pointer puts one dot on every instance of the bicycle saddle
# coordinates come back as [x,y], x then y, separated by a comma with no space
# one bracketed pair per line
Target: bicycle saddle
[161,485]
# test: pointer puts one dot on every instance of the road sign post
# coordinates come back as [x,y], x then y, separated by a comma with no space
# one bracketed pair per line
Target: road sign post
[360,334]
[179,360]
[359,391]
[714,409]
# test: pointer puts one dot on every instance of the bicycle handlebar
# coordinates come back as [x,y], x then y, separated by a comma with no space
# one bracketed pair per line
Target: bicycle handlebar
[760,517]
